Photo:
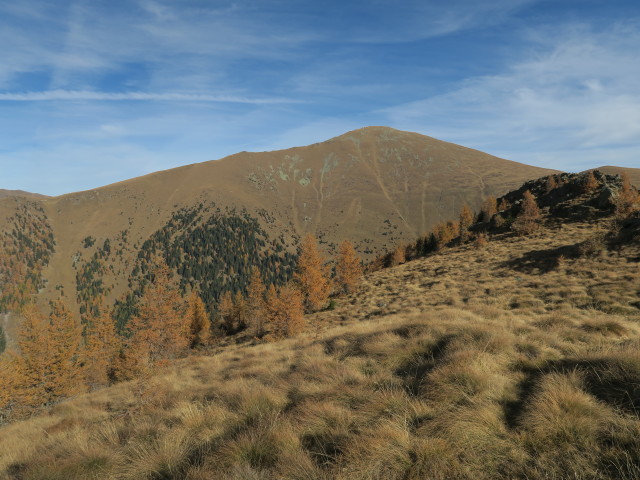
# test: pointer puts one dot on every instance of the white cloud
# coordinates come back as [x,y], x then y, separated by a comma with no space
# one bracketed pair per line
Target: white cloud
[52,95]
[577,91]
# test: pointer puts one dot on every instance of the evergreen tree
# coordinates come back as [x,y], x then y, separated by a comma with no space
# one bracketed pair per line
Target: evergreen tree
[348,267]
[312,275]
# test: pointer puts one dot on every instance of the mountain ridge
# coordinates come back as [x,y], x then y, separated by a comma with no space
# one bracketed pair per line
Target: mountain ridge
[375,186]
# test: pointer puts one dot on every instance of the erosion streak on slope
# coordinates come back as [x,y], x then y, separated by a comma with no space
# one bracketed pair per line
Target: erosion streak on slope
[375,170]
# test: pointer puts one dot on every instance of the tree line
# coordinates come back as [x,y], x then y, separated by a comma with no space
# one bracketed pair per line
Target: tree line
[56,356]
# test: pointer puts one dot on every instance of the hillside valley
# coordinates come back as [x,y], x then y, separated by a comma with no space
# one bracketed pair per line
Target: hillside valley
[216,220]
[506,356]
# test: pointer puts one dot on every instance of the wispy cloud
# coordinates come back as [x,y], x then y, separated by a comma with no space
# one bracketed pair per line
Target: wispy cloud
[53,95]
[575,91]
[158,83]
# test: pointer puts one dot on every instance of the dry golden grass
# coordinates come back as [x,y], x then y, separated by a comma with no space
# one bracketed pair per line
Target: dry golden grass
[471,364]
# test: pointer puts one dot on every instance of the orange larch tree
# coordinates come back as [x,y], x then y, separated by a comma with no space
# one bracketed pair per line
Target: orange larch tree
[29,368]
[101,348]
[240,311]
[198,320]
[312,275]
[65,337]
[286,316]
[256,303]
[348,267]
[46,366]
[590,182]
[445,232]
[159,331]
[465,221]
[226,312]
[628,199]
[489,209]
[398,256]
[528,219]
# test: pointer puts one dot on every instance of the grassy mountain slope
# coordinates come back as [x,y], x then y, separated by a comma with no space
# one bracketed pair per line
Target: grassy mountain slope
[12,193]
[634,173]
[376,186]
[516,359]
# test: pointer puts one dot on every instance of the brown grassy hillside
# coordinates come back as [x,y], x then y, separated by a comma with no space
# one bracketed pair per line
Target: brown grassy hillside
[516,359]
[12,193]
[376,186]
[634,173]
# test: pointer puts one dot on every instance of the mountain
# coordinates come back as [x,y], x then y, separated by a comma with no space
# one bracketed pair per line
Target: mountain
[212,221]
[22,193]
[634,173]
[515,357]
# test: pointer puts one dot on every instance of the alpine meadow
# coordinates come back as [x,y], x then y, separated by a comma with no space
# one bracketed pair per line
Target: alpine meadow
[263,240]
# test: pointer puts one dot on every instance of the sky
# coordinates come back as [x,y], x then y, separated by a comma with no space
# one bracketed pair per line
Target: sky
[97,91]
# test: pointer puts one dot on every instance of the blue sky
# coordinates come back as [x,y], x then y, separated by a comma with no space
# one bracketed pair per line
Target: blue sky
[96,91]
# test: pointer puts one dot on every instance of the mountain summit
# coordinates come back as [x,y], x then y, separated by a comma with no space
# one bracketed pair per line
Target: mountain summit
[376,186]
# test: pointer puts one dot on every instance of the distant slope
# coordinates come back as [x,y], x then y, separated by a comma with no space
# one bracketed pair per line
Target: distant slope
[376,186]
[13,193]
[634,173]
[516,360]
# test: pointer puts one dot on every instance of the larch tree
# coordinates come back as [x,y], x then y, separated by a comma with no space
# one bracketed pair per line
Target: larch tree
[3,340]
[348,267]
[528,219]
[445,232]
[256,303]
[628,199]
[287,312]
[240,311]
[399,255]
[312,275]
[198,320]
[46,367]
[465,221]
[102,345]
[7,378]
[489,209]
[29,368]
[158,332]
[65,339]
[590,182]
[226,312]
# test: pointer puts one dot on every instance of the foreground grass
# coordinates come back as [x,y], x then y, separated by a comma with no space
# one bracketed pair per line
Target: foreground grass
[475,364]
